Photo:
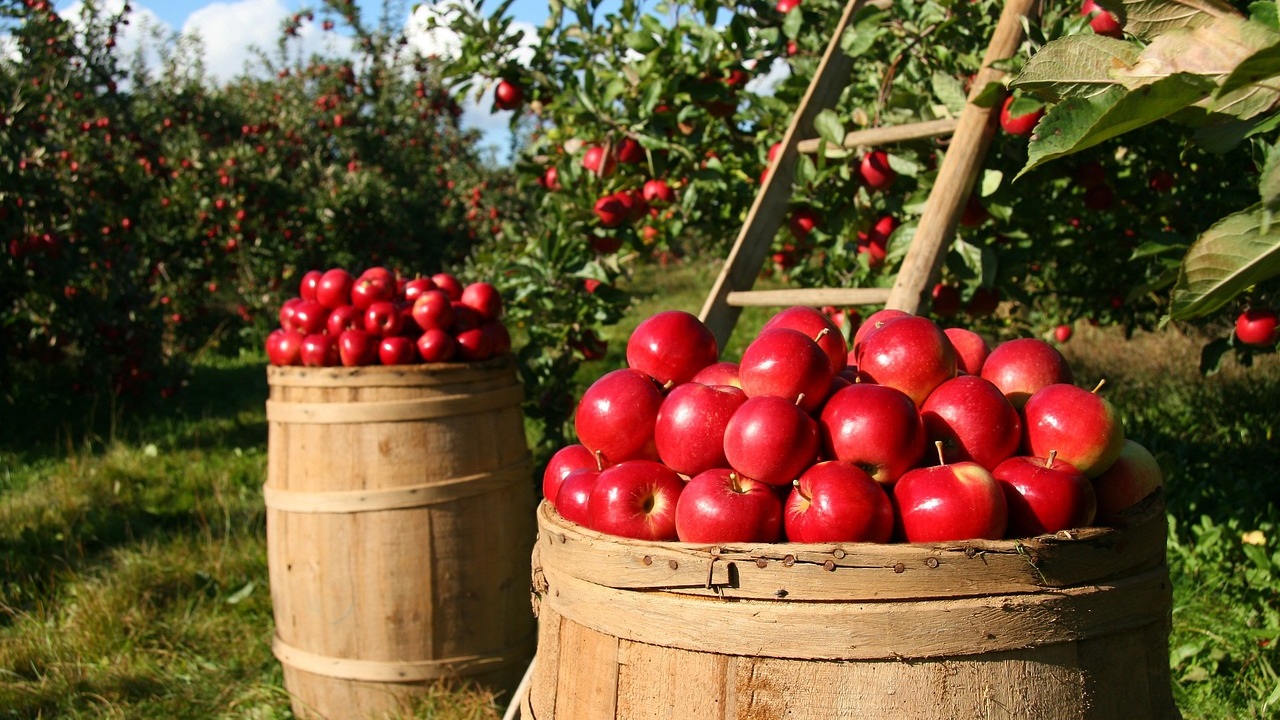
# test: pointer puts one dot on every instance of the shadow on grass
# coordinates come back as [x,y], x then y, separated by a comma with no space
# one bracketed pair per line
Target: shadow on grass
[221,405]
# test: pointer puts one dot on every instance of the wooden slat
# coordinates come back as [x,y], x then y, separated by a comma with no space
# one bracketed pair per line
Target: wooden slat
[959,169]
[752,244]
[813,297]
[887,135]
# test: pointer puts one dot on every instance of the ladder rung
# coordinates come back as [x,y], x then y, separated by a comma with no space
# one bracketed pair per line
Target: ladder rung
[888,135]
[813,297]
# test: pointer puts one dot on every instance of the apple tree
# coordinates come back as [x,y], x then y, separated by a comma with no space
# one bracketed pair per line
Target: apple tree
[1210,71]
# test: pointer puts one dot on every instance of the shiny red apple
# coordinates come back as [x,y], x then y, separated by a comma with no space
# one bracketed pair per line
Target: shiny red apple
[720,506]
[835,502]
[875,427]
[635,499]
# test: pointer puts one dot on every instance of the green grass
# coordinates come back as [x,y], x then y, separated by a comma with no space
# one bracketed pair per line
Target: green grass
[133,577]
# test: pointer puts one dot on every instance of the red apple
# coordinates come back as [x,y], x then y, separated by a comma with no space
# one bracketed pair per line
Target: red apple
[309,317]
[383,319]
[911,354]
[573,497]
[786,363]
[971,349]
[397,350]
[370,288]
[333,289]
[474,345]
[946,300]
[874,321]
[507,95]
[1019,125]
[562,462]
[465,318]
[1258,327]
[724,372]
[284,347]
[1022,366]
[596,160]
[719,506]
[342,318]
[875,427]
[617,414]
[612,210]
[414,288]
[436,346]
[1081,426]
[834,502]
[689,429]
[657,192]
[786,6]
[484,297]
[1062,333]
[943,503]
[448,284]
[1044,495]
[802,222]
[770,439]
[629,151]
[357,348]
[288,313]
[499,336]
[636,499]
[875,171]
[671,347]
[1133,476]
[1102,21]
[817,325]
[972,420]
[433,310]
[319,350]
[307,286]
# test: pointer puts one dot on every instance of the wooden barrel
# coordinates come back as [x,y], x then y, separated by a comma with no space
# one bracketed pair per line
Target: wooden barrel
[1067,627]
[400,507]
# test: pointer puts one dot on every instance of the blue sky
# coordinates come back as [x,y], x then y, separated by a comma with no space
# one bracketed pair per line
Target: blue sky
[176,12]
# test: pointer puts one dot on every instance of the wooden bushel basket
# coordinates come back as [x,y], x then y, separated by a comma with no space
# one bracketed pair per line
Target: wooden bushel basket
[400,509]
[1066,627]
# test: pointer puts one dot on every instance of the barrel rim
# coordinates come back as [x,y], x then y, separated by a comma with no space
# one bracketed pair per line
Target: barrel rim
[374,375]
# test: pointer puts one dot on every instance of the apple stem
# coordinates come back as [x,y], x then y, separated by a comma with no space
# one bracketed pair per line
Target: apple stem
[821,334]
[1098,387]
[941,459]
[799,398]
[666,387]
[1053,455]
[599,461]
[735,481]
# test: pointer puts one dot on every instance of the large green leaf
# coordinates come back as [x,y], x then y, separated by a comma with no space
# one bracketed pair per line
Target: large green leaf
[1262,65]
[1078,123]
[1148,18]
[1240,250]
[1076,65]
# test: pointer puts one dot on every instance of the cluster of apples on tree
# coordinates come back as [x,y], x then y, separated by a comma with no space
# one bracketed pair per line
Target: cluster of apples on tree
[907,433]
[381,318]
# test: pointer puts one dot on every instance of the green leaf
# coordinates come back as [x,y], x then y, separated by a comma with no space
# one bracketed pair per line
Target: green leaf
[792,24]
[990,182]
[948,89]
[642,42]
[1078,123]
[1259,66]
[1265,12]
[1149,18]
[1238,251]
[862,32]
[1269,181]
[1077,65]
[829,128]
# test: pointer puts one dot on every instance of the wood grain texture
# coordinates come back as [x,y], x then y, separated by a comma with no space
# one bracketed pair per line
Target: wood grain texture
[747,254]
[1087,640]
[397,546]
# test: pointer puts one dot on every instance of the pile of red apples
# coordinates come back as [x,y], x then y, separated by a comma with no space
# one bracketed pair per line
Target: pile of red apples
[906,433]
[381,318]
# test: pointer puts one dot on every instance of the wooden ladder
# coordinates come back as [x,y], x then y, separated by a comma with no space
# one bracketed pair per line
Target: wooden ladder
[971,136]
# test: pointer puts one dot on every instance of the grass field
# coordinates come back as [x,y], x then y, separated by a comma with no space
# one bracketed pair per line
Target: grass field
[133,579]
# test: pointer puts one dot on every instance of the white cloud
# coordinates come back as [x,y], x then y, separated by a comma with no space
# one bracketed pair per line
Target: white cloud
[231,32]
